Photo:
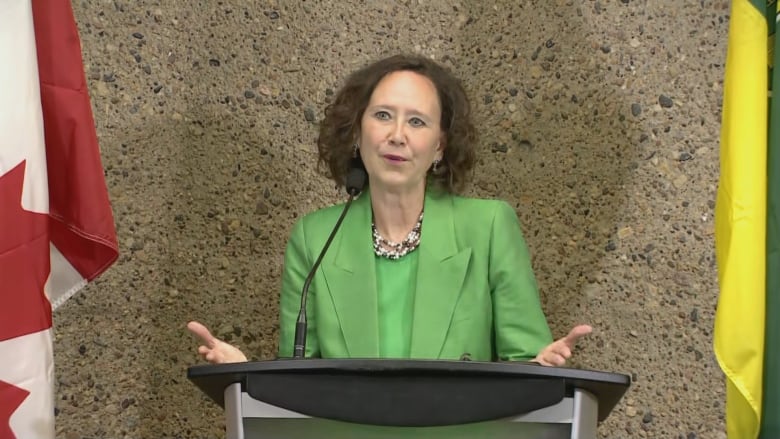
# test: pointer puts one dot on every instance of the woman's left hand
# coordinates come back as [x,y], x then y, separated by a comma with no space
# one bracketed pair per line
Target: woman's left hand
[557,352]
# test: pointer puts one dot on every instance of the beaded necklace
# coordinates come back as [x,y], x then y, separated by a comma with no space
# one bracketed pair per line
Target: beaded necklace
[396,250]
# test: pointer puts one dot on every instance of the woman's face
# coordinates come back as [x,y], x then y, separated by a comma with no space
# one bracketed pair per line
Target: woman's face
[400,133]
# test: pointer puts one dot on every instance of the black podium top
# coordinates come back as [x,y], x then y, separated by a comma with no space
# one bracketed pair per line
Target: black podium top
[408,392]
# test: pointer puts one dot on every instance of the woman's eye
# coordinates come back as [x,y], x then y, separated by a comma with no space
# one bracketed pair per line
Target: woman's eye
[382,115]
[416,122]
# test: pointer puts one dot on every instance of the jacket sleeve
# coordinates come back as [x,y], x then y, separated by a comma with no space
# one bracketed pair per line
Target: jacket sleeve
[519,323]
[297,264]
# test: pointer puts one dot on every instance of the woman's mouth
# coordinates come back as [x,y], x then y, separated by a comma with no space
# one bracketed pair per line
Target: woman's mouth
[394,158]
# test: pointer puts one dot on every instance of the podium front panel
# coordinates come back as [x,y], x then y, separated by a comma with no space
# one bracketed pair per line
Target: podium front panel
[408,399]
[311,428]
[572,418]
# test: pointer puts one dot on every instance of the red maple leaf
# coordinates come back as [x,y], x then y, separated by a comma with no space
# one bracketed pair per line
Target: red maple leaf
[24,267]
[11,398]
[24,262]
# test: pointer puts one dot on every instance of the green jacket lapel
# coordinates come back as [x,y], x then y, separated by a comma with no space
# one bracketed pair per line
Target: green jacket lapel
[441,271]
[351,279]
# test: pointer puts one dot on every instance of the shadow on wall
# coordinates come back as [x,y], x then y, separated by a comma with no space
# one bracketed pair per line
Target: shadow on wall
[557,143]
[241,171]
[559,157]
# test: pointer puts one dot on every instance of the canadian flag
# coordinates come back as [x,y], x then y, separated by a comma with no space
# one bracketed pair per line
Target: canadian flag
[56,226]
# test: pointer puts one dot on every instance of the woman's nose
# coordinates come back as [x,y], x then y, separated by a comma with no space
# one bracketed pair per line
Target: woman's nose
[397,134]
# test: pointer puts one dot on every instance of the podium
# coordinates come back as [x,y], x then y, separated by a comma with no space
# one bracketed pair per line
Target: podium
[378,399]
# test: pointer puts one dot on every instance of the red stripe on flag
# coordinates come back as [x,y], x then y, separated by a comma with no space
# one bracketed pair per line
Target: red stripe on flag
[82,225]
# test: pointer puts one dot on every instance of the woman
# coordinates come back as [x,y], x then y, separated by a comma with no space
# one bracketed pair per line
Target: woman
[415,271]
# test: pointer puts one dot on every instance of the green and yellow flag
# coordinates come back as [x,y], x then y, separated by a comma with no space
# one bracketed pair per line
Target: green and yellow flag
[747,238]
[770,419]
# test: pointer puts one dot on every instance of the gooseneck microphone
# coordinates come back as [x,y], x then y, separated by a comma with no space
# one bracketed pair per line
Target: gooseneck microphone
[355,181]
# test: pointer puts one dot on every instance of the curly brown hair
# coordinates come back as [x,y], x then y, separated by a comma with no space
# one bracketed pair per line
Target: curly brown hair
[340,128]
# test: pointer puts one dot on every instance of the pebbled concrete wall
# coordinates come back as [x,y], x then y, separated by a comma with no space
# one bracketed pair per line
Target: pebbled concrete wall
[599,123]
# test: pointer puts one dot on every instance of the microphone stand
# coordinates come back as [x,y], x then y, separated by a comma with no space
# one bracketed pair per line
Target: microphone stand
[355,181]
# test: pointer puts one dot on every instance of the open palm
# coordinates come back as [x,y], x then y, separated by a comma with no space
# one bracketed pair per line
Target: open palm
[557,352]
[213,349]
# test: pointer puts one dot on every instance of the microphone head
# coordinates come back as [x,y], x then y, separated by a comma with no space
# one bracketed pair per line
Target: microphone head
[356,177]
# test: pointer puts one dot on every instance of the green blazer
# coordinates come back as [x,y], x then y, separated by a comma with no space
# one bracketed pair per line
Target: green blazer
[475,293]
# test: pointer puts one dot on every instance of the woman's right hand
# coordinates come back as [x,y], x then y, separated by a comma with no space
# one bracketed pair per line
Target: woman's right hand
[213,349]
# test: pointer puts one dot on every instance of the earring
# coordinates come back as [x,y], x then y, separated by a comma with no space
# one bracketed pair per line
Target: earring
[355,148]
[436,165]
